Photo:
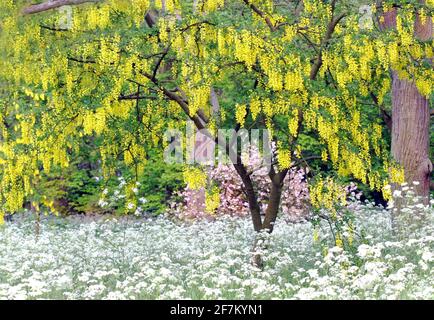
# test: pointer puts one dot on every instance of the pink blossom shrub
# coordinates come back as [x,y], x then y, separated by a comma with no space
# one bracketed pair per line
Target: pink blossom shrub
[233,201]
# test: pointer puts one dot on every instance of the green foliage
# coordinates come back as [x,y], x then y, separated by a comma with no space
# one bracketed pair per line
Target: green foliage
[311,73]
[159,184]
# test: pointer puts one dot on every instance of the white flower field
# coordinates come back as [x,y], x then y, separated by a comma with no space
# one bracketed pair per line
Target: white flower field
[156,258]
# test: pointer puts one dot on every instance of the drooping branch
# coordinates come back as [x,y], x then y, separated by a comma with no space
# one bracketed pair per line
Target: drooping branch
[53,28]
[160,60]
[197,24]
[387,118]
[53,4]
[136,96]
[199,123]
[261,14]
[81,60]
[330,29]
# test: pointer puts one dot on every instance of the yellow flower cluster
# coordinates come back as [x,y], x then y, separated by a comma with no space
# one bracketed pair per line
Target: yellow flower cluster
[294,81]
[195,178]
[60,157]
[290,33]
[327,193]
[283,157]
[137,9]
[397,174]
[381,50]
[199,98]
[387,191]
[293,122]
[425,84]
[94,121]
[212,5]
[212,200]
[240,114]
[246,48]
[338,240]
[324,155]
[268,107]
[108,51]
[275,80]
[255,107]
[98,17]
[376,135]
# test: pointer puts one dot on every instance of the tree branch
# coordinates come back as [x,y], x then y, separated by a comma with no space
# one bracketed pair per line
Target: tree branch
[261,14]
[387,118]
[80,60]
[53,4]
[330,29]
[199,122]
[52,28]
[136,96]
[160,60]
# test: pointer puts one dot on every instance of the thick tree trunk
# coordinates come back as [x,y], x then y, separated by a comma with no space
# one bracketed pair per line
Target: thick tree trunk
[411,119]
[410,134]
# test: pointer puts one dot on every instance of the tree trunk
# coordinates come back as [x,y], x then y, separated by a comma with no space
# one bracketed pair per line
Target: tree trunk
[274,200]
[270,216]
[410,134]
[255,210]
[411,119]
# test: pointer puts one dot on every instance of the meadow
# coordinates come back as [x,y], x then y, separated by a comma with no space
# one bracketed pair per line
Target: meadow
[160,258]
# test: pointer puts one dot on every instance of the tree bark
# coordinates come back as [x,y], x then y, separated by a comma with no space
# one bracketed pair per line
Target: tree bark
[270,215]
[255,210]
[53,4]
[274,200]
[410,134]
[411,119]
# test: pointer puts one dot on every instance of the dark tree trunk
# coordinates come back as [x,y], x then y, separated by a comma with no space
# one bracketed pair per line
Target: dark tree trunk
[271,212]
[274,200]
[252,198]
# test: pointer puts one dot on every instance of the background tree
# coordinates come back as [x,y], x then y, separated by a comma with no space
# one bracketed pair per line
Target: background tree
[410,104]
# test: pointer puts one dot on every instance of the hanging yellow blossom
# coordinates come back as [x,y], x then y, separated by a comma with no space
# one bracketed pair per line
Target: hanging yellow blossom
[195,178]
[212,200]
[240,113]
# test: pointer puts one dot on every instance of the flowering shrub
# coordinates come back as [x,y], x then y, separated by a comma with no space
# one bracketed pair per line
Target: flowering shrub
[232,200]
[324,200]
[124,198]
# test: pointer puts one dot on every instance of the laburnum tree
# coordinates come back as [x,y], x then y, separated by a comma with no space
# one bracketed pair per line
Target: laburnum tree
[125,71]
